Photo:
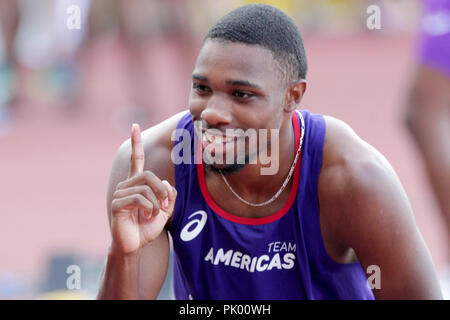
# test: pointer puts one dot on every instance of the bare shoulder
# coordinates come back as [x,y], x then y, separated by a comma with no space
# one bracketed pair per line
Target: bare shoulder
[348,159]
[364,209]
[356,183]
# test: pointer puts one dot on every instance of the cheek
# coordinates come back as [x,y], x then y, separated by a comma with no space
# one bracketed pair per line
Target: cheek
[277,113]
[269,118]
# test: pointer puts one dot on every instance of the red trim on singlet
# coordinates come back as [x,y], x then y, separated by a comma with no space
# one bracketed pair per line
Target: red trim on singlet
[252,221]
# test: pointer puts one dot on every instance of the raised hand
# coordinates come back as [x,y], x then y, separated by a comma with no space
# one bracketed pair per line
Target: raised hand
[141,204]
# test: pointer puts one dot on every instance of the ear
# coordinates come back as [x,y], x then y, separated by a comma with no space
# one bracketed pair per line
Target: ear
[294,95]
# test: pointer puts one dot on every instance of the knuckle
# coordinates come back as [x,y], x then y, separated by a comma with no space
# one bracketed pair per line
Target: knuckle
[147,191]
[117,194]
[155,185]
[120,185]
[159,194]
[137,155]
[148,175]
[162,192]
[156,206]
[114,205]
[136,199]
[149,195]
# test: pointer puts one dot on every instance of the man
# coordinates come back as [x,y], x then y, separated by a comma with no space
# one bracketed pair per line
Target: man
[333,209]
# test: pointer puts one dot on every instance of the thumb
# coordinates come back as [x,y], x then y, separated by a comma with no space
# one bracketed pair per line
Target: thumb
[168,204]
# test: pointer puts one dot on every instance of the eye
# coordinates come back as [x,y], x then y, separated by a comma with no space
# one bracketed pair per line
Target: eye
[242,95]
[200,88]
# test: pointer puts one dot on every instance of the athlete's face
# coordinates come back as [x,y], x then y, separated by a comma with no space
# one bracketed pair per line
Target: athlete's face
[235,86]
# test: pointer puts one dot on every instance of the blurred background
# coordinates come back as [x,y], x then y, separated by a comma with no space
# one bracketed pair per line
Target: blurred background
[74,75]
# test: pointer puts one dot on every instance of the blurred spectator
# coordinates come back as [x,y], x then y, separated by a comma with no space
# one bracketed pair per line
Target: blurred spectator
[428,114]
[38,51]
[159,44]
[8,27]
[428,106]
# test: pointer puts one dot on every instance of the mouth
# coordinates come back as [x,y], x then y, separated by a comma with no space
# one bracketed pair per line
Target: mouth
[214,138]
[218,145]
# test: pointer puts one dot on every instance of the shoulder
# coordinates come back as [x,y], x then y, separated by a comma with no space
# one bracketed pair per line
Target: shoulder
[157,144]
[364,208]
[348,159]
[356,184]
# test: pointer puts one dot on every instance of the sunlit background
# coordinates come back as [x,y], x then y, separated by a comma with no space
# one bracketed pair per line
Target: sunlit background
[69,95]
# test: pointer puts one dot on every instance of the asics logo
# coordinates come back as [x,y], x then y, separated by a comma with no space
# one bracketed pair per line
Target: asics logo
[187,233]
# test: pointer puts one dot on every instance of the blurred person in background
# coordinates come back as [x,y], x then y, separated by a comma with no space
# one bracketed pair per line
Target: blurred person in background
[428,112]
[8,27]
[428,106]
[37,60]
[153,34]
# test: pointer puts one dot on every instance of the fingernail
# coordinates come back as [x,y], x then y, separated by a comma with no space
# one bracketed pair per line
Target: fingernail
[166,202]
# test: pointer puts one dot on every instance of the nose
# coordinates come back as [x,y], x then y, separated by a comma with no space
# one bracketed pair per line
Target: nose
[216,113]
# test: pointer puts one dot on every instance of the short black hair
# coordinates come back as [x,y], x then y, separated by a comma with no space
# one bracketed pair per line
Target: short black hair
[269,27]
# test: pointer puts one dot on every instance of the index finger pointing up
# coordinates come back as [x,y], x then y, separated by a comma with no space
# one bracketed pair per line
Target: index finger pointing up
[137,151]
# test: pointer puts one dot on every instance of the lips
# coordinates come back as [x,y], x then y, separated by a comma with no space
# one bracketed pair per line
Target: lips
[216,143]
[213,138]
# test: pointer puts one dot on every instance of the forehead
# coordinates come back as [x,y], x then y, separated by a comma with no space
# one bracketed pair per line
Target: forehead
[236,60]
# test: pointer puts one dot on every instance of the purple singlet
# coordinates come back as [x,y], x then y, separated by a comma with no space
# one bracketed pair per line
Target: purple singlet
[434,41]
[218,255]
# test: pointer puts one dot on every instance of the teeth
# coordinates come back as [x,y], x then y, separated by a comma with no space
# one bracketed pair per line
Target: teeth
[217,139]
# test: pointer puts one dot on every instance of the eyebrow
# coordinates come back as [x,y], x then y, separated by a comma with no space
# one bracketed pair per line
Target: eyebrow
[197,76]
[246,83]
[243,83]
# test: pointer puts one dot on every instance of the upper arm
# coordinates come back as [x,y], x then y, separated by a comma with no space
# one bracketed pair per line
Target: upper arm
[372,215]
[157,147]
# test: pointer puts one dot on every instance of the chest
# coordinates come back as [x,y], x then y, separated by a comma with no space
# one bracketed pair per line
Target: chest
[227,200]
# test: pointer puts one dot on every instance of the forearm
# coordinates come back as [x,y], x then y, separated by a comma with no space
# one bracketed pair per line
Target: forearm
[120,277]
[136,276]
